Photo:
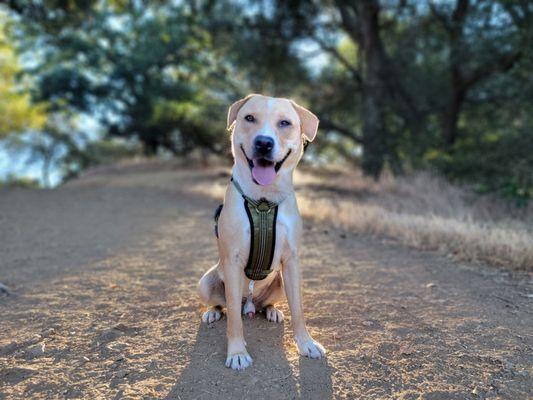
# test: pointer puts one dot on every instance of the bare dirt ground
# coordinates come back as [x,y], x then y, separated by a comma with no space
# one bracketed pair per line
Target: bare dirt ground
[103,305]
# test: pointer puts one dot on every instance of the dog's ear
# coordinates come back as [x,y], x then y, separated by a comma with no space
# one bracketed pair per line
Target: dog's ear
[308,121]
[234,109]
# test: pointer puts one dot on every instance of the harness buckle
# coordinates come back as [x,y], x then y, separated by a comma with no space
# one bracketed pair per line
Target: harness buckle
[263,205]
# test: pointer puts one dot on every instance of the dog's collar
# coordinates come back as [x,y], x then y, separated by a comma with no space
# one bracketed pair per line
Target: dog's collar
[262,204]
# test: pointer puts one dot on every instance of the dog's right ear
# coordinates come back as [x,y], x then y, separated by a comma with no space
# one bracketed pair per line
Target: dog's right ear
[234,109]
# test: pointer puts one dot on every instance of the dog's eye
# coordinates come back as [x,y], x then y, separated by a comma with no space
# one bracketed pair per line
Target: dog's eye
[249,118]
[284,123]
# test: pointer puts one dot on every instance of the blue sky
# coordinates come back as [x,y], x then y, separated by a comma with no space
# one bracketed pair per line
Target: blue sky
[15,162]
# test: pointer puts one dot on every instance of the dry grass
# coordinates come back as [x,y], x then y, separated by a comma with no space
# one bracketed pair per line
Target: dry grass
[422,210]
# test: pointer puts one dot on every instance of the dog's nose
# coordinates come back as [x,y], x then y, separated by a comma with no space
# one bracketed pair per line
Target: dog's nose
[263,144]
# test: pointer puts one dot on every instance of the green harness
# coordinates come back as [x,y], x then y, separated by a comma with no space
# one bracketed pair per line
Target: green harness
[262,215]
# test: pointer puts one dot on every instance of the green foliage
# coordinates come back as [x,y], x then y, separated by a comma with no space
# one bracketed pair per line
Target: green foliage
[129,66]
[455,88]
[16,111]
[12,181]
[504,164]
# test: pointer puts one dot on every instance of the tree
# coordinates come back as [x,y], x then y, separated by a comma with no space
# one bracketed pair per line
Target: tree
[17,114]
[398,84]
[137,68]
[470,63]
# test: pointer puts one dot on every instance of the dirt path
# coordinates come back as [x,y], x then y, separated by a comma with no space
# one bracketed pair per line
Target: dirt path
[103,274]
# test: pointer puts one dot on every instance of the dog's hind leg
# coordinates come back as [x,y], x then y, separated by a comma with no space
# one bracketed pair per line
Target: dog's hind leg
[274,293]
[274,314]
[211,292]
[212,314]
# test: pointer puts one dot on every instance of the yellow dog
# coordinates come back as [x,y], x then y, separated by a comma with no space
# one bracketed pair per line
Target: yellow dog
[267,144]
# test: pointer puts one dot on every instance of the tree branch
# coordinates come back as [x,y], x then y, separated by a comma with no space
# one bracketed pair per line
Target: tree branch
[441,17]
[330,125]
[460,11]
[348,22]
[336,54]
[499,64]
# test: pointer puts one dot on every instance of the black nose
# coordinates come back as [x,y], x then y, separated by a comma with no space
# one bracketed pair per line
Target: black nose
[263,145]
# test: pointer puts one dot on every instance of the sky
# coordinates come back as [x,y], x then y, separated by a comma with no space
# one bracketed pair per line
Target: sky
[15,163]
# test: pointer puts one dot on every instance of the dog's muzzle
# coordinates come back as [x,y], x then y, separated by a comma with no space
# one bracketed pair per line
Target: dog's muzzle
[264,169]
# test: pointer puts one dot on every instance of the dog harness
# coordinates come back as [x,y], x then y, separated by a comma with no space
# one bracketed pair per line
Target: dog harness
[262,215]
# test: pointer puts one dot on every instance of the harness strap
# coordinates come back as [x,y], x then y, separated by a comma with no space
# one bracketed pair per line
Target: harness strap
[262,215]
[255,203]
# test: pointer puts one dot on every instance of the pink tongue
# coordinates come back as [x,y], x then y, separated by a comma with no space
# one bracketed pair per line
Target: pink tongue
[264,175]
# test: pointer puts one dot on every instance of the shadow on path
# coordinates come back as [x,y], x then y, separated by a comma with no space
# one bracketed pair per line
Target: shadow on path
[272,376]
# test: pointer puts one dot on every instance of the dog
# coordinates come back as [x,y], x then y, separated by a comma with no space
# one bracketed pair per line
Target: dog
[267,142]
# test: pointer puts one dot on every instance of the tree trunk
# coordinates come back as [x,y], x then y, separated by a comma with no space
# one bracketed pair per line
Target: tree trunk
[374,91]
[47,159]
[450,117]
[379,80]
[150,146]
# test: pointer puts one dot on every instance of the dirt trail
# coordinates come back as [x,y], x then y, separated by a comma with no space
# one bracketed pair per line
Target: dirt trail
[103,273]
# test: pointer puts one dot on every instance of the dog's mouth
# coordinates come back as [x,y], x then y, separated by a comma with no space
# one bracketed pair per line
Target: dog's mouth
[263,169]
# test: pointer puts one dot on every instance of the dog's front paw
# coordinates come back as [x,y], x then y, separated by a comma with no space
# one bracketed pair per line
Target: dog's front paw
[239,361]
[309,347]
[212,315]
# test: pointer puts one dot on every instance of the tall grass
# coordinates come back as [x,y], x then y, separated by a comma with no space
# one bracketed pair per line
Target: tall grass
[424,211]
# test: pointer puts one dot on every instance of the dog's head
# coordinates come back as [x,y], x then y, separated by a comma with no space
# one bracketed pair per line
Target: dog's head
[268,134]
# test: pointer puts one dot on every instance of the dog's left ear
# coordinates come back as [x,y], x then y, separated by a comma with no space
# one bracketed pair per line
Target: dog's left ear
[234,109]
[308,121]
